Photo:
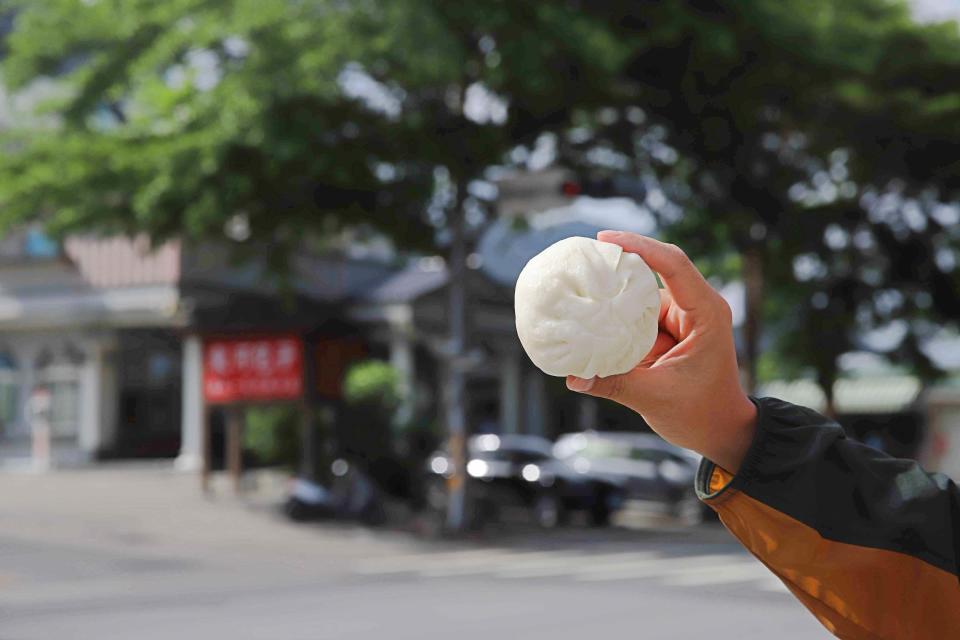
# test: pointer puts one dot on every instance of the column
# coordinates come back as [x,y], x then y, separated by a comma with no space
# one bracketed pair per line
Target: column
[536,413]
[98,397]
[88,432]
[109,396]
[191,417]
[402,358]
[510,376]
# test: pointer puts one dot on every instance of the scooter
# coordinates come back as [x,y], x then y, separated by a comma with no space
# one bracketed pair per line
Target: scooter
[352,496]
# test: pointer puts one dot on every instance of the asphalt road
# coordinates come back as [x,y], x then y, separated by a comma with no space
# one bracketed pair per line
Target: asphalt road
[134,553]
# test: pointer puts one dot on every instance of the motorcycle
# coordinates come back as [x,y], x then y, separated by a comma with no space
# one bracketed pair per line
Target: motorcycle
[351,496]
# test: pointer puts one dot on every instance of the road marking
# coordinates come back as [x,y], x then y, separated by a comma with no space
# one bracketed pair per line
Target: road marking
[418,562]
[656,567]
[512,564]
[718,575]
[487,564]
[543,568]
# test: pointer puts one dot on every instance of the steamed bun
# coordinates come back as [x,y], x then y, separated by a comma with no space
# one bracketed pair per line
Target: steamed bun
[586,308]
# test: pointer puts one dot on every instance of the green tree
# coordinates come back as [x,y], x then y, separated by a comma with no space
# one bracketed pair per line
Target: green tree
[811,140]
[292,117]
[301,117]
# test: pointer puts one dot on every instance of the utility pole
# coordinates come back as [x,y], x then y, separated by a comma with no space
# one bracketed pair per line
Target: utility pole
[456,375]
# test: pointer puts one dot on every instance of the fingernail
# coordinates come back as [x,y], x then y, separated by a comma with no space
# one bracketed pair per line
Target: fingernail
[579,384]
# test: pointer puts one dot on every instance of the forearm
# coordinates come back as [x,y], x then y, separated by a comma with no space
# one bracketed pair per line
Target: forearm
[867,542]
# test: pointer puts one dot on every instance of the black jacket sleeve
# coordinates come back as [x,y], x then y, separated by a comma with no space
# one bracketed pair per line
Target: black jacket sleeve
[869,543]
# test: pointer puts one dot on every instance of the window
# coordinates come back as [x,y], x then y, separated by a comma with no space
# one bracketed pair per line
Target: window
[598,448]
[9,392]
[653,455]
[524,457]
[64,407]
[59,371]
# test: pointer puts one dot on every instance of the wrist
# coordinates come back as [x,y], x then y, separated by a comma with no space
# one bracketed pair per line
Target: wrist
[733,434]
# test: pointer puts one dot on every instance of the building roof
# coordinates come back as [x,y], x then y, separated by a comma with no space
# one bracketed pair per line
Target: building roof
[120,261]
[505,248]
[110,280]
[407,284]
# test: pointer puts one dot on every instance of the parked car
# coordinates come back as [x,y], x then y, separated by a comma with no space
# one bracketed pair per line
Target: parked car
[648,468]
[510,473]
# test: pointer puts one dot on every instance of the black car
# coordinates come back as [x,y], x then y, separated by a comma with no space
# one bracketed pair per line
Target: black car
[519,473]
[648,468]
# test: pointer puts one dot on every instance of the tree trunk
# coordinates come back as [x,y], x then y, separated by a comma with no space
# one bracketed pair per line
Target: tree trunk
[456,382]
[753,285]
[829,408]
[826,382]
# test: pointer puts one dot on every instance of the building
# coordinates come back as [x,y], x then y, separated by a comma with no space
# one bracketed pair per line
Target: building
[113,328]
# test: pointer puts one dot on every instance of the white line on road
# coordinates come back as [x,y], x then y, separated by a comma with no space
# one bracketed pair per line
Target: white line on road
[487,564]
[727,574]
[418,562]
[544,568]
[658,567]
[700,570]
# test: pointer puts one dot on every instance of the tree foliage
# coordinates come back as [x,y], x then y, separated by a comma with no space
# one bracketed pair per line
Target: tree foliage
[816,134]
[819,138]
[301,116]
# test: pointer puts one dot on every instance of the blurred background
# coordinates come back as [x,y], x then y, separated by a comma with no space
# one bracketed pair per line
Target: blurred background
[258,367]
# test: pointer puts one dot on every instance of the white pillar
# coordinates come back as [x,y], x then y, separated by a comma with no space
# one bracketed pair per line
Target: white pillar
[510,375]
[191,416]
[98,397]
[536,413]
[402,358]
[109,394]
[88,432]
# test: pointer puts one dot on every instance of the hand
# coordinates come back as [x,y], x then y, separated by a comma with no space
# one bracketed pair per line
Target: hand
[688,387]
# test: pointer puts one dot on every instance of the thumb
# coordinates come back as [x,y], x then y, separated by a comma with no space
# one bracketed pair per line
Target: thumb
[612,387]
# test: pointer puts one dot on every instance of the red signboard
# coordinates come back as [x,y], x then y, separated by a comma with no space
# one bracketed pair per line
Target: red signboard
[252,369]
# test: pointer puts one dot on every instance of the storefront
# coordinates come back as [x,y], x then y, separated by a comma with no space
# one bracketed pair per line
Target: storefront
[115,334]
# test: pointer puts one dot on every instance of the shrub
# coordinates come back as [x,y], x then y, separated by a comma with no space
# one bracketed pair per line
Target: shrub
[372,382]
[273,435]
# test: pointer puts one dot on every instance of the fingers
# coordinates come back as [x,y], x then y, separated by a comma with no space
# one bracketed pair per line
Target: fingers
[679,275]
[665,301]
[663,344]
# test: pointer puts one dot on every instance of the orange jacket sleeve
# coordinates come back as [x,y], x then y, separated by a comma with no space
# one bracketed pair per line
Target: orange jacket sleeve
[868,543]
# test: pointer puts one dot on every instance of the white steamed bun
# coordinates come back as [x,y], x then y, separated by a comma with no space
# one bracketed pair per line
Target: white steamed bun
[586,308]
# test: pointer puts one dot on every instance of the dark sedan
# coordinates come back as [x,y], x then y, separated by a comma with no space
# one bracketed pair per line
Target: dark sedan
[648,468]
[518,473]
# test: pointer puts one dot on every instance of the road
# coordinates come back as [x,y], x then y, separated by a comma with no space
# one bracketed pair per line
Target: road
[137,553]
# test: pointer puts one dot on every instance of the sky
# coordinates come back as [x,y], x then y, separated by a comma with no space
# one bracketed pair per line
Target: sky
[934,10]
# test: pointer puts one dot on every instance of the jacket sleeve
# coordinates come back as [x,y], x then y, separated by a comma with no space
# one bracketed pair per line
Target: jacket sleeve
[868,543]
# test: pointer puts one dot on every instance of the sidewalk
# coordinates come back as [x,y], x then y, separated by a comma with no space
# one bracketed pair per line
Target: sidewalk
[152,509]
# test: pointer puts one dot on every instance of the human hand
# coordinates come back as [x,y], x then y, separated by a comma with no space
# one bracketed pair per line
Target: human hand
[688,387]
